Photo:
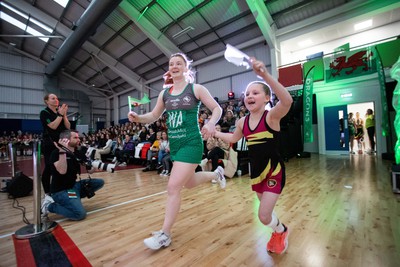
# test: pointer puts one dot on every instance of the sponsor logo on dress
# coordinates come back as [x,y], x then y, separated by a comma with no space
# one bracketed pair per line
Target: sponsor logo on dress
[186,100]
[175,102]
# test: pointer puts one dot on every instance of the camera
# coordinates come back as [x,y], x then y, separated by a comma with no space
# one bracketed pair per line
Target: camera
[86,189]
[99,165]
[88,163]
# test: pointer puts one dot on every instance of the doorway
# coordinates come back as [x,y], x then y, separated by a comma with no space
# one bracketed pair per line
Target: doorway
[336,128]
[362,145]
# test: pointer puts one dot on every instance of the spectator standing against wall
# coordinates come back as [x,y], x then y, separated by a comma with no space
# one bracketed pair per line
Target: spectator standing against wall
[370,126]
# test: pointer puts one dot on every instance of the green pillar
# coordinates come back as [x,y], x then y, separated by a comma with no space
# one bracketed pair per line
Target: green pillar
[395,74]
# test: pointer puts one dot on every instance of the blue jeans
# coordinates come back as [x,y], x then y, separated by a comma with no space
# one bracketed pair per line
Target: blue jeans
[68,202]
[161,154]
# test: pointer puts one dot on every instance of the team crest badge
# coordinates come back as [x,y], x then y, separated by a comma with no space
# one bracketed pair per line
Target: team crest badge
[271,183]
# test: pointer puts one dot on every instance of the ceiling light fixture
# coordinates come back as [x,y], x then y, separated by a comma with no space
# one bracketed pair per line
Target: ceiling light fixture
[305,43]
[31,36]
[62,3]
[363,25]
[182,32]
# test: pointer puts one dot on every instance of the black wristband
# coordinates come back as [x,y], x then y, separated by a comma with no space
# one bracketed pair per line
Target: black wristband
[59,115]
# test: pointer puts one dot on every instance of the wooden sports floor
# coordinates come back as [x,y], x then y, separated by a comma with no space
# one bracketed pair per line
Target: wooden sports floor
[340,210]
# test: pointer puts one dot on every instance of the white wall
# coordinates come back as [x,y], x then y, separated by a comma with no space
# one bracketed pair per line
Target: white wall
[364,89]
[21,81]
[359,39]
[22,90]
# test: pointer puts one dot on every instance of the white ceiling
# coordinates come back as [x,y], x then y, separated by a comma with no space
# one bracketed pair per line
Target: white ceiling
[337,28]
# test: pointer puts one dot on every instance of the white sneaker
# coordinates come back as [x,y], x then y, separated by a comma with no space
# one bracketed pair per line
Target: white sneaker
[123,164]
[163,172]
[158,240]
[47,200]
[219,171]
[167,173]
[114,160]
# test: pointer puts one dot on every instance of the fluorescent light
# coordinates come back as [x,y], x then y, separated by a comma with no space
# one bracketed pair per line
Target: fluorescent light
[363,25]
[25,16]
[182,32]
[62,3]
[305,43]
[23,26]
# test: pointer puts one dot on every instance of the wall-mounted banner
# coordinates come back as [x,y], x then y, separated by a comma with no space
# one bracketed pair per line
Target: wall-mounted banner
[307,106]
[342,48]
[382,85]
[349,64]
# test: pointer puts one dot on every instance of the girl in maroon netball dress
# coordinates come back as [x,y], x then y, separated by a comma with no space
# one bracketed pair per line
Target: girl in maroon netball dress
[260,129]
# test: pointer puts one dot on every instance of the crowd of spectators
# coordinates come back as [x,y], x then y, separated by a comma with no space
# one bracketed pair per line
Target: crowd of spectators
[22,142]
[126,137]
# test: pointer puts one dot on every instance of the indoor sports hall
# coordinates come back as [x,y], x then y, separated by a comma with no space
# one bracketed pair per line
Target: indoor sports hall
[100,60]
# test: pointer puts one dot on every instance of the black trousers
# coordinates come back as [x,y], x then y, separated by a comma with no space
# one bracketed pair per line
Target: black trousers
[48,148]
[371,135]
[214,155]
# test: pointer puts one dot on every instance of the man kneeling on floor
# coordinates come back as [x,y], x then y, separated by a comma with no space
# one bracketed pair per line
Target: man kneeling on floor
[66,191]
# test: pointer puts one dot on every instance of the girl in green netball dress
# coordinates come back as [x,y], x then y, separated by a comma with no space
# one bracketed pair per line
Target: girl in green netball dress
[181,100]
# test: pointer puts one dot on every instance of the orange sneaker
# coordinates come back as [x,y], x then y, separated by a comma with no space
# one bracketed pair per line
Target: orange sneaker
[278,242]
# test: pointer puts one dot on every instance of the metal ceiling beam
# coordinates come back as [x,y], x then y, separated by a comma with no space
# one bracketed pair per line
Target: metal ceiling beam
[121,70]
[93,16]
[151,31]
[264,20]
[131,77]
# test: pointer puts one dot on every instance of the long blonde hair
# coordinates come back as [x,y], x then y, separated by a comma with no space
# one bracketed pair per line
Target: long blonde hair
[189,75]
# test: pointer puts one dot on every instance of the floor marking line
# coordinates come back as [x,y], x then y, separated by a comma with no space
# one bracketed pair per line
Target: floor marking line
[105,208]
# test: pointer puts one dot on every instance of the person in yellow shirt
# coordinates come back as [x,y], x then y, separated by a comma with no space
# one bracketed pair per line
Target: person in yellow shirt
[152,153]
[370,126]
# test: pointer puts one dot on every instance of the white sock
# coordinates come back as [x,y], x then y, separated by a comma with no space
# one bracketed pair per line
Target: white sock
[275,224]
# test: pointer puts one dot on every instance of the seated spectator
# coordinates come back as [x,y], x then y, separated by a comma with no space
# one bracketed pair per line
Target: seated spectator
[153,152]
[216,149]
[105,149]
[3,147]
[166,163]
[228,122]
[26,144]
[119,146]
[164,145]
[97,142]
[128,150]
[143,134]
[151,136]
